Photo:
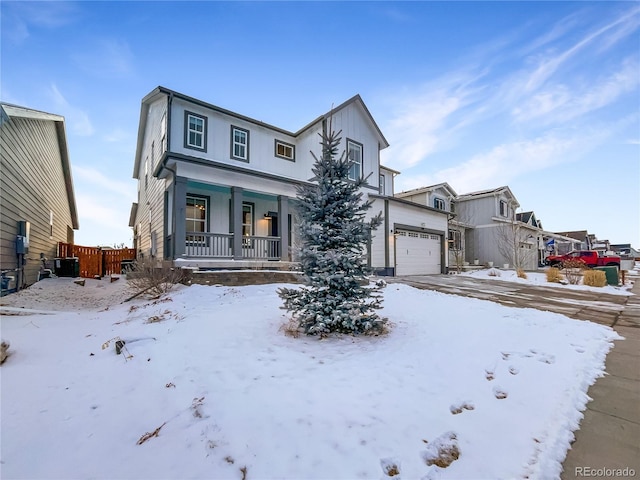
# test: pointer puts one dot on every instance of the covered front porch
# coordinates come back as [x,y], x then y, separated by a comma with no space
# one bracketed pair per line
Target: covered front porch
[217,226]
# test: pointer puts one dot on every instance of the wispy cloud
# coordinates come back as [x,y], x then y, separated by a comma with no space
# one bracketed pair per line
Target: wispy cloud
[534,102]
[77,119]
[98,215]
[561,102]
[106,57]
[608,35]
[95,178]
[19,18]
[508,161]
[116,135]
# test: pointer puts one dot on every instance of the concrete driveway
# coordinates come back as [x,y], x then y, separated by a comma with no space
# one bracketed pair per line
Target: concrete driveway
[603,308]
[609,434]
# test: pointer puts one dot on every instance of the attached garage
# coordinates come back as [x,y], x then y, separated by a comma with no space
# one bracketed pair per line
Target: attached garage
[418,253]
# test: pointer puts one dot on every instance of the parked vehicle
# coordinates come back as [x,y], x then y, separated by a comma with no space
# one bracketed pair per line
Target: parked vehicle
[589,257]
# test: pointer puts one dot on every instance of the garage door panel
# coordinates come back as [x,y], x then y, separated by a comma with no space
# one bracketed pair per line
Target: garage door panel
[417,253]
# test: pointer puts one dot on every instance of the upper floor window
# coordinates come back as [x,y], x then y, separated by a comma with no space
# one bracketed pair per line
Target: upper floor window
[438,203]
[195,133]
[504,209]
[163,134]
[354,155]
[381,184]
[285,150]
[239,143]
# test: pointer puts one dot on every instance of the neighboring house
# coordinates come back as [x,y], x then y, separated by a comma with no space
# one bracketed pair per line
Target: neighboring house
[556,244]
[217,189]
[443,198]
[583,238]
[38,203]
[497,234]
[625,249]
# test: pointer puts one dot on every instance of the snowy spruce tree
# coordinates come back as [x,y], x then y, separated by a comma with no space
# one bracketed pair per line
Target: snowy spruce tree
[337,296]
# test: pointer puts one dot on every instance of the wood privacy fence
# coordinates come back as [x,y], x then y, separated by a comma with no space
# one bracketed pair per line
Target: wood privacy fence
[94,261]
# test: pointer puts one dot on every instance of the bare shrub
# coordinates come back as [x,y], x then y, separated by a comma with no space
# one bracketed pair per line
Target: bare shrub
[573,270]
[595,278]
[521,273]
[291,328]
[494,272]
[554,275]
[154,278]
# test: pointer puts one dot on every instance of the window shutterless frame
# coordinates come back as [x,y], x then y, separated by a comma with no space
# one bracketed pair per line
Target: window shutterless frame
[195,131]
[285,150]
[239,144]
[355,157]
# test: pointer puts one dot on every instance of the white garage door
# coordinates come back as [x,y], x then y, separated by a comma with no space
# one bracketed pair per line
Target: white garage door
[417,253]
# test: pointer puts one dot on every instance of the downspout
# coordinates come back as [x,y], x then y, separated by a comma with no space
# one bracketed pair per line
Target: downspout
[172,220]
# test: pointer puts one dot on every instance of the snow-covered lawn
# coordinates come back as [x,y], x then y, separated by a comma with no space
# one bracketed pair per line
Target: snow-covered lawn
[208,386]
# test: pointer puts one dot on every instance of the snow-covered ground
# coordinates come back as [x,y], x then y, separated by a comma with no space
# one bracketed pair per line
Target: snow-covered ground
[540,279]
[208,386]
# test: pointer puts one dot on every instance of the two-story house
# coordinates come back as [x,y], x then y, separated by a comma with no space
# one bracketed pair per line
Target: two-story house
[498,235]
[36,192]
[217,189]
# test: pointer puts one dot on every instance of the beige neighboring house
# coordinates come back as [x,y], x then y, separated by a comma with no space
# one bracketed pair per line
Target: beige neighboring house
[38,207]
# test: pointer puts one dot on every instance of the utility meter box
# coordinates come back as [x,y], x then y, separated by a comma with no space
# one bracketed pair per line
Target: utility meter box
[22,239]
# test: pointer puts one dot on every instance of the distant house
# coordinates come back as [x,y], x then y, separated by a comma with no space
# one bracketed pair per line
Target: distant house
[442,197]
[38,203]
[582,236]
[495,233]
[217,189]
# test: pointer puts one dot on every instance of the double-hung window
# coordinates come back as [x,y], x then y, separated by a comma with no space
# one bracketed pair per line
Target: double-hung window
[381,186]
[196,218]
[504,211]
[438,203]
[195,133]
[354,155]
[239,144]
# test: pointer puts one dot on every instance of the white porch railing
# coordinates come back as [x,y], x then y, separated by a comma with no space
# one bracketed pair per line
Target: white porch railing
[220,245]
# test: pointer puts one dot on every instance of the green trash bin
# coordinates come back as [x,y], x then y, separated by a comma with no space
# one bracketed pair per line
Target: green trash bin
[611,273]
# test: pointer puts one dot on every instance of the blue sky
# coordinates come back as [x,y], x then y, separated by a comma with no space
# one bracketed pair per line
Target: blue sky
[541,96]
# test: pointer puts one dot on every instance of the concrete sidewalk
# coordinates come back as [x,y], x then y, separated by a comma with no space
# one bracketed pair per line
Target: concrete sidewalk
[609,434]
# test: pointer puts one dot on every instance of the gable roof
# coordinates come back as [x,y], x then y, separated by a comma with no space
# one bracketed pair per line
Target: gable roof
[163,91]
[430,188]
[14,111]
[489,193]
[580,235]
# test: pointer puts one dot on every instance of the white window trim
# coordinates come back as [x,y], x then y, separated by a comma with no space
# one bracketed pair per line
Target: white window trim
[437,200]
[382,184]
[244,145]
[201,134]
[360,163]
[203,221]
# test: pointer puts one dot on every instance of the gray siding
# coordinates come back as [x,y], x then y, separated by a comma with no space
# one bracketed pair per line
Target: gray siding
[32,184]
[151,190]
